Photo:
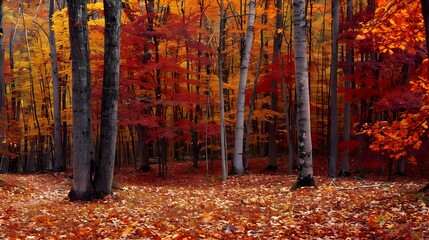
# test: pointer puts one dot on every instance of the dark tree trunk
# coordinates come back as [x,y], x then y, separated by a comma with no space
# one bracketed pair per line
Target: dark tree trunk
[110,95]
[58,158]
[4,160]
[81,100]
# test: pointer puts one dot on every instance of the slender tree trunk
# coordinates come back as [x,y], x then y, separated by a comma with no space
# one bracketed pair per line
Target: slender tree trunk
[252,107]
[110,95]
[58,157]
[333,86]
[81,99]
[425,12]
[4,160]
[221,100]
[345,171]
[239,129]
[305,155]
[272,146]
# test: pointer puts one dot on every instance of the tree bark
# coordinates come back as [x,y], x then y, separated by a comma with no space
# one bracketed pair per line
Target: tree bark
[239,129]
[272,145]
[345,171]
[305,156]
[221,98]
[58,157]
[110,95]
[333,153]
[81,100]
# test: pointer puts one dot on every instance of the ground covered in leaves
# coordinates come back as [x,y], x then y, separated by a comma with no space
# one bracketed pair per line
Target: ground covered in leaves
[187,205]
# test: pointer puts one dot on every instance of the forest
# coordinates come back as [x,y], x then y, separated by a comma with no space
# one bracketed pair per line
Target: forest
[214,119]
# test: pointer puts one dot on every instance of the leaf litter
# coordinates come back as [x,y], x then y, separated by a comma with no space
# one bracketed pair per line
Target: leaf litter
[190,206]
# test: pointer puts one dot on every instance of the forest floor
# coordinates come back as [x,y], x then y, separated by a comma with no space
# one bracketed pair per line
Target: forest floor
[187,205]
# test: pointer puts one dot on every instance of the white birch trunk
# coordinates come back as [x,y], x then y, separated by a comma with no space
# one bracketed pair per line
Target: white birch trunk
[238,166]
[305,156]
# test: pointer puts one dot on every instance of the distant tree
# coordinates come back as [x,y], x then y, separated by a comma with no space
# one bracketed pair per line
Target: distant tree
[333,153]
[272,138]
[4,162]
[81,99]
[305,155]
[221,98]
[345,171]
[109,107]
[58,149]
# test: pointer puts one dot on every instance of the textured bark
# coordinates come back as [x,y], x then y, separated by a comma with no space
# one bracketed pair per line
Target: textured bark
[333,153]
[239,129]
[81,100]
[58,157]
[305,156]
[110,95]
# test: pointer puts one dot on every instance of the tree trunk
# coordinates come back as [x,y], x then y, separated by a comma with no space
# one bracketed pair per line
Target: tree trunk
[345,171]
[81,78]
[4,160]
[58,158]
[333,153]
[272,139]
[305,155]
[110,95]
[143,149]
[221,98]
[239,129]
[425,12]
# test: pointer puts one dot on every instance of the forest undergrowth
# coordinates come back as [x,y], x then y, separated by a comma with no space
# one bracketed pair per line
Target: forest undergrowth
[194,205]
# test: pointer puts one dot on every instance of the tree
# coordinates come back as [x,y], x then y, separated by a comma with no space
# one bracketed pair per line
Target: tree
[305,155]
[3,129]
[223,143]
[345,171]
[81,99]
[272,139]
[110,95]
[333,86]
[58,158]
[244,69]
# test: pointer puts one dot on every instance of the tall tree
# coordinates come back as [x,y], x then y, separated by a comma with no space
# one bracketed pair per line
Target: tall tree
[221,74]
[333,153]
[81,100]
[345,171]
[272,139]
[244,69]
[58,157]
[4,162]
[305,155]
[110,95]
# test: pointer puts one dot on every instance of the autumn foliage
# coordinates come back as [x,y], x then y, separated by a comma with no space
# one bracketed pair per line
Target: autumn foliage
[191,206]
[405,105]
